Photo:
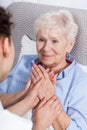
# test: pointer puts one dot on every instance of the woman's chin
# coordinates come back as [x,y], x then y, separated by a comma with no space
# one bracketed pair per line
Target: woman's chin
[46,63]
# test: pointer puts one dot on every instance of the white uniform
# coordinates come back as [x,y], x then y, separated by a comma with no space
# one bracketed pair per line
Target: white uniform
[9,121]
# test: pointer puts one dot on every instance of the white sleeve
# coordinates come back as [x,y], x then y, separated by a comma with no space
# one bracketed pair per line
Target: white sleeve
[9,121]
[1,107]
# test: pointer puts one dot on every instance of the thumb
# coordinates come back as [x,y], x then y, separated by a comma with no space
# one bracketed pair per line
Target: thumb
[54,79]
[28,84]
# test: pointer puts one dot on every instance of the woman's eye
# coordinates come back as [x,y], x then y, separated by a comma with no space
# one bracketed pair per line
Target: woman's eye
[54,41]
[41,40]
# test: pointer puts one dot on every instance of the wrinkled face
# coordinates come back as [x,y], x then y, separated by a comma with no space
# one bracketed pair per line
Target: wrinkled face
[51,47]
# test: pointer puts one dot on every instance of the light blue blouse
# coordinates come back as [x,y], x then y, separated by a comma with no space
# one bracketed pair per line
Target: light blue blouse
[71,89]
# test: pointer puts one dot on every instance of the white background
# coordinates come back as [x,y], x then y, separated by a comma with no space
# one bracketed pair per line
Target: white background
[81,4]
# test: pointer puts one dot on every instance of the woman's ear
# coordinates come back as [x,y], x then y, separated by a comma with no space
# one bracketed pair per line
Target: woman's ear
[70,46]
[6,47]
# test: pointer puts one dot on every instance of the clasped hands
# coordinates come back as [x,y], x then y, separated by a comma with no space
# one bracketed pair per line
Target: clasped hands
[41,94]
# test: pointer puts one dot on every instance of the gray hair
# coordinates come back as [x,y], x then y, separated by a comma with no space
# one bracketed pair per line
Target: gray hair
[61,20]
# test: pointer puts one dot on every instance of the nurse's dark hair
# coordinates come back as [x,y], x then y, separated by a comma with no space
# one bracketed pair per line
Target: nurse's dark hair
[5,23]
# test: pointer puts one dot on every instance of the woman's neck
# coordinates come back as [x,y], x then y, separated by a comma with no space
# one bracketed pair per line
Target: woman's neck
[58,68]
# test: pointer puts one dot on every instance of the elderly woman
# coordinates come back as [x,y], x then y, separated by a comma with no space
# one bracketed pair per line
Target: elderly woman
[55,37]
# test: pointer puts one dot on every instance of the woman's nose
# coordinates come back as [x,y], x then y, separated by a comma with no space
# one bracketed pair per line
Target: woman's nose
[46,46]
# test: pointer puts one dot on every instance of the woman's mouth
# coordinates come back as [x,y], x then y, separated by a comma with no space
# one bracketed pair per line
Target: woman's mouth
[46,56]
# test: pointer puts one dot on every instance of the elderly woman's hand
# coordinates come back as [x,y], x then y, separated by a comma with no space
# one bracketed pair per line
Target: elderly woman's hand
[47,88]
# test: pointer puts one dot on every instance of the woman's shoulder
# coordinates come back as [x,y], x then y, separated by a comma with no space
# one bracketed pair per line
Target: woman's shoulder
[81,70]
[28,57]
[82,67]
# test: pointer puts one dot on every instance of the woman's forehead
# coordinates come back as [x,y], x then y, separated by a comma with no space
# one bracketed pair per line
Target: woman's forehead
[50,32]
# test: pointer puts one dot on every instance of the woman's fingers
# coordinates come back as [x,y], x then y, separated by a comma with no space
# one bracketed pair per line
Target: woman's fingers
[36,73]
[45,74]
[51,100]
[54,102]
[37,70]
[43,101]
